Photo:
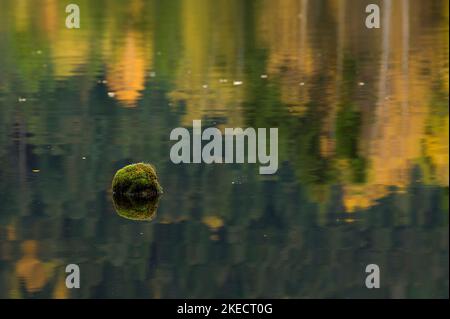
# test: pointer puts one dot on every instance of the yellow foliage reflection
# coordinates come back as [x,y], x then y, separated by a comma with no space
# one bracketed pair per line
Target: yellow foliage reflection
[30,269]
[126,70]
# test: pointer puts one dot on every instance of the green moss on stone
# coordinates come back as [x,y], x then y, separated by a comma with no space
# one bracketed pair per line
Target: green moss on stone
[137,180]
[136,208]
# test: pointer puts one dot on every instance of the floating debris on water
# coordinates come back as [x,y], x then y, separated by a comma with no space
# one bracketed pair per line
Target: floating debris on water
[361,83]
[264,76]
[223,80]
[152,74]
[22,99]
[111,94]
[214,237]
[213,222]
[237,83]
[83,158]
[302,83]
[36,170]
[205,86]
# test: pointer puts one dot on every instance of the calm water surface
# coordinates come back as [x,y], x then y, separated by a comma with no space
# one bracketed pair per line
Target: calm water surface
[363,124]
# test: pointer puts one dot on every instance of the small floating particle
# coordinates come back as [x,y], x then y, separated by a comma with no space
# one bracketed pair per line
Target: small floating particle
[361,83]
[104,81]
[205,86]
[223,80]
[38,52]
[22,99]
[264,76]
[111,94]
[152,74]
[36,170]
[237,83]
[302,83]
[83,158]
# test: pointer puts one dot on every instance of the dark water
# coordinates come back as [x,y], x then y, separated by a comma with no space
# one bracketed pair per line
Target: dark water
[363,124]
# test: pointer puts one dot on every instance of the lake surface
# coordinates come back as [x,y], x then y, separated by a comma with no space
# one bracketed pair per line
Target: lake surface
[363,123]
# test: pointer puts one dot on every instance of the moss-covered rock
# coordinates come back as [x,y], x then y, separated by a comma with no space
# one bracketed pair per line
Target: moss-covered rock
[139,180]
[136,208]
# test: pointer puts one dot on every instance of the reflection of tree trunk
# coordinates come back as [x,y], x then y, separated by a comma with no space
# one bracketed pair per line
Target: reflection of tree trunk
[405,67]
[341,39]
[403,216]
[386,27]
[303,35]
[382,85]
[22,159]
[329,124]
[405,54]
[339,61]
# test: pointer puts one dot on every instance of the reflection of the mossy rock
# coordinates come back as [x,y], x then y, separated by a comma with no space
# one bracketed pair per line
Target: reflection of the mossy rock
[136,207]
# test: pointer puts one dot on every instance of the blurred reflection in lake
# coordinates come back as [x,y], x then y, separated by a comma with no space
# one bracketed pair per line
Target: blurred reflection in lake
[363,124]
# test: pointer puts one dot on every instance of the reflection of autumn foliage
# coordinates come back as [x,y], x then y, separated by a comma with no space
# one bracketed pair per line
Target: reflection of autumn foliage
[304,62]
[30,269]
[70,50]
[60,291]
[213,222]
[208,67]
[126,70]
[406,126]
[373,104]
[436,149]
[128,59]
[36,274]
[283,28]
